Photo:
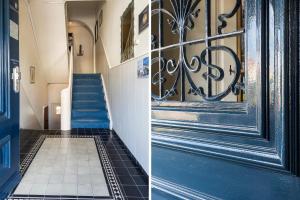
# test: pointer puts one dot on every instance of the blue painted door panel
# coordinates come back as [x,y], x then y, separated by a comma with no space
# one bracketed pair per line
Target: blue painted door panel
[208,177]
[9,99]
[213,149]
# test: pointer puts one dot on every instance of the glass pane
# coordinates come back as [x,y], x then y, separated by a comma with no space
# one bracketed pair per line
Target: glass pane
[226,16]
[203,48]
[155,27]
[169,31]
[197,31]
[169,85]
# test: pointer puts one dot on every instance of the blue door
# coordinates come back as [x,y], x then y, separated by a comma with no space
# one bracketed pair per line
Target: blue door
[9,96]
[225,99]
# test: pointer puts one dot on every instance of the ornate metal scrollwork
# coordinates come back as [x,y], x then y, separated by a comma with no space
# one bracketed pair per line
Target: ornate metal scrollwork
[181,19]
[225,16]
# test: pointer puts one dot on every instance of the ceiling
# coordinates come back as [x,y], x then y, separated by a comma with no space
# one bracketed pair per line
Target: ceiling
[83,11]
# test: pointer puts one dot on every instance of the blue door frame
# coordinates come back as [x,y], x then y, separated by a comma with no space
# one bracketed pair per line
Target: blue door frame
[223,150]
[9,99]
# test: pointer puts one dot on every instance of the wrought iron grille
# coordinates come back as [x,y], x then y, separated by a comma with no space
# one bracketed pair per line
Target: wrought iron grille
[185,65]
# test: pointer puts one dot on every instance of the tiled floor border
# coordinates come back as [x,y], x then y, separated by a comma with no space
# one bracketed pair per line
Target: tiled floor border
[132,157]
[111,180]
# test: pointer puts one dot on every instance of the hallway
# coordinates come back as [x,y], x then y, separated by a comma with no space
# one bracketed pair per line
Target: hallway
[125,179]
[74,115]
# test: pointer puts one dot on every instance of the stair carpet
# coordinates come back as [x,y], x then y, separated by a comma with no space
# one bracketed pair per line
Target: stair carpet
[88,102]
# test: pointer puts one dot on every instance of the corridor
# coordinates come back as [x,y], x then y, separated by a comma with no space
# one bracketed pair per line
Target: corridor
[73,119]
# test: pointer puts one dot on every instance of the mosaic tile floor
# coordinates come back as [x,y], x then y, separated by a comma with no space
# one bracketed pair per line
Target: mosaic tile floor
[129,176]
[65,166]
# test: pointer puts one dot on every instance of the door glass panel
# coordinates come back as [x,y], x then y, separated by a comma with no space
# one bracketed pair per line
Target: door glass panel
[200,49]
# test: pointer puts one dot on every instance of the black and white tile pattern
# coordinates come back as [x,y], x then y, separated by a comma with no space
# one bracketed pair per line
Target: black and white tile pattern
[38,189]
[121,169]
[130,177]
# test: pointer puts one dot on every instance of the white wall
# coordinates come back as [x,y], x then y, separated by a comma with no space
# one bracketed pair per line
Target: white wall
[54,99]
[82,36]
[50,30]
[110,31]
[32,96]
[128,95]
[54,92]
[102,63]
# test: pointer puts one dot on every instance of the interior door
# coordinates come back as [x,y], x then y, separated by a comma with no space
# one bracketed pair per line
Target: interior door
[9,97]
[224,99]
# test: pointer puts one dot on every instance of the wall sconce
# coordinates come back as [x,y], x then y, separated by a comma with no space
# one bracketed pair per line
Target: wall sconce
[81,52]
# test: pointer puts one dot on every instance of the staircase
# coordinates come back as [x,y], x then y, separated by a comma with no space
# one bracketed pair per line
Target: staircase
[88,102]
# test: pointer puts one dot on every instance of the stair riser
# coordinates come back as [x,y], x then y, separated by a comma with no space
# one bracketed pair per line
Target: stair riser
[97,115]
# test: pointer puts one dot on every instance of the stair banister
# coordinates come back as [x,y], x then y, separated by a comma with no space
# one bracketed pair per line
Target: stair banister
[66,97]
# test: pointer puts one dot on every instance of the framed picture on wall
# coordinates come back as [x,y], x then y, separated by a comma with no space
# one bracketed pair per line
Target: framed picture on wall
[143,68]
[144,19]
[96,31]
[100,18]
[32,74]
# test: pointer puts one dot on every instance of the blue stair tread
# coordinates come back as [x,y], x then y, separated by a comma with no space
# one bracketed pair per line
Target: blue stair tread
[88,96]
[98,114]
[87,88]
[89,102]
[86,106]
[91,119]
[86,75]
[88,110]
[90,80]
[89,93]
[90,125]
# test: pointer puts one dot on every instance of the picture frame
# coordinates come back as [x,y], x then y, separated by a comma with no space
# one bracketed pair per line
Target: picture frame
[32,74]
[144,19]
[96,31]
[143,68]
[100,19]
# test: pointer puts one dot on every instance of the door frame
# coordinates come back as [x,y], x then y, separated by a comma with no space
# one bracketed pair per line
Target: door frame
[9,56]
[292,49]
[289,49]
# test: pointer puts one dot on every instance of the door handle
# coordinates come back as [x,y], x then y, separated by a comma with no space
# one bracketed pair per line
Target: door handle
[16,77]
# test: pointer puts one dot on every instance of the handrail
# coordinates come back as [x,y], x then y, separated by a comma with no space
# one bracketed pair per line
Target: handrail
[66,97]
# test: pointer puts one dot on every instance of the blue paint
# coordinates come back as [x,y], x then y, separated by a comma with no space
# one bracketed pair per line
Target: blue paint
[9,100]
[220,178]
[88,102]
[229,150]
